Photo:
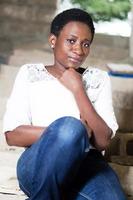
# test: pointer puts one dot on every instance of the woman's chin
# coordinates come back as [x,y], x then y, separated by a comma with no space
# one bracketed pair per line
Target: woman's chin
[74,66]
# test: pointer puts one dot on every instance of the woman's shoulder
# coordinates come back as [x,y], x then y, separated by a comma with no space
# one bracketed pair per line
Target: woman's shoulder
[94,71]
[34,72]
[34,67]
[94,77]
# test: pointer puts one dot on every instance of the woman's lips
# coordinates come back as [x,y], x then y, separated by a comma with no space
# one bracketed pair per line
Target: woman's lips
[75,60]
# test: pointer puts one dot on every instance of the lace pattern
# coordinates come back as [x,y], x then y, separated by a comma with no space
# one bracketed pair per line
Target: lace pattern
[38,72]
[93,78]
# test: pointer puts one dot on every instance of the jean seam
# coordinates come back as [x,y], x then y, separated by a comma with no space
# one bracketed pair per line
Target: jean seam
[84,195]
[24,189]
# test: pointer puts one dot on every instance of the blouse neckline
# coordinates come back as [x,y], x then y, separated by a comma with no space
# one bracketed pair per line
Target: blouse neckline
[49,74]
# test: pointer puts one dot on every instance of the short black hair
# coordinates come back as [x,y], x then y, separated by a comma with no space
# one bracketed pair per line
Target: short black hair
[73,14]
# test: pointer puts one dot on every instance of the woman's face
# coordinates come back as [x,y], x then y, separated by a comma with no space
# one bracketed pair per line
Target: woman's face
[72,46]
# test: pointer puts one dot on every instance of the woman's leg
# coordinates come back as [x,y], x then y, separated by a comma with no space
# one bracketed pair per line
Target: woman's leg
[96,180]
[51,163]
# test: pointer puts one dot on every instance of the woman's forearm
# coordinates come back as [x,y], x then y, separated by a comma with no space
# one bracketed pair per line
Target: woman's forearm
[101,132]
[24,136]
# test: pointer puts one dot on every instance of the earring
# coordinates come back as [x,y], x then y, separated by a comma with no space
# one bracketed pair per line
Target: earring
[52,46]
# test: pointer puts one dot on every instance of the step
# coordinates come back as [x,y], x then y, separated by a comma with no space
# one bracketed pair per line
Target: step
[8,70]
[3,144]
[125,174]
[3,102]
[6,85]
[7,77]
[32,53]
[37,13]
[8,180]
[9,196]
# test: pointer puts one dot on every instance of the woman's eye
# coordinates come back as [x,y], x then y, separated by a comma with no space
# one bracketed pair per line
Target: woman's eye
[86,45]
[71,41]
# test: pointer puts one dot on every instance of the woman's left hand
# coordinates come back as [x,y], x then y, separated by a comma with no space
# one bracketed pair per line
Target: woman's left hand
[72,80]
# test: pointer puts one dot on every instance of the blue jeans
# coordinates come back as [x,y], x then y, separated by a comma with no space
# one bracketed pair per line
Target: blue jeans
[60,165]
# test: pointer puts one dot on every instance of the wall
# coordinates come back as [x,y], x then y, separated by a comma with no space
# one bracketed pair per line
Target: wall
[27,22]
[23,22]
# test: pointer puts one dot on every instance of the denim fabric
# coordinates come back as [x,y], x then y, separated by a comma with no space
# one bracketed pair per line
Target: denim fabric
[61,166]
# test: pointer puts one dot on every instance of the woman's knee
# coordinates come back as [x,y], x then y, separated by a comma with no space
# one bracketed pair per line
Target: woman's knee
[69,130]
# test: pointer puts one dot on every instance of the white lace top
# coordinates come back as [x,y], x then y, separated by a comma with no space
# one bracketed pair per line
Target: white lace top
[38,98]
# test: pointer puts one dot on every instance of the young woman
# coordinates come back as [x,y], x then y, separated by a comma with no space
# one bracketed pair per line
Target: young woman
[64,119]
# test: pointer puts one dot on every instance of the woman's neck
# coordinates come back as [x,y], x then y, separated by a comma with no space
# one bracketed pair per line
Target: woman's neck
[56,71]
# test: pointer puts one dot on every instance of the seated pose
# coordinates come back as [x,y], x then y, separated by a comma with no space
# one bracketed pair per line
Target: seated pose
[64,119]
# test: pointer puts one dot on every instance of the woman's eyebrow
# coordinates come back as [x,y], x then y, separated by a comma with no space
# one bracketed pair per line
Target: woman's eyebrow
[86,39]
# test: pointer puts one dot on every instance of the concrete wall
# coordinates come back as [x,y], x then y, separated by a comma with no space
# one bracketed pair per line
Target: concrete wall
[110,47]
[24,22]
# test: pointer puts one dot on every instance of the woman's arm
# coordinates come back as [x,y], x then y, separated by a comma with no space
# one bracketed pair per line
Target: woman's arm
[24,136]
[101,133]
[18,113]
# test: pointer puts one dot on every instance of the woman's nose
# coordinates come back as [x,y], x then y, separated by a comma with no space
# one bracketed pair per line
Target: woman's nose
[78,49]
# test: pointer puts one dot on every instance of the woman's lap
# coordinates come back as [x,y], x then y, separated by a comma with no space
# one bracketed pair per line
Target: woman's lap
[94,178]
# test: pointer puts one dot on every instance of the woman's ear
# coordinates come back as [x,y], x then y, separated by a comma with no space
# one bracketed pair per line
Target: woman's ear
[52,41]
